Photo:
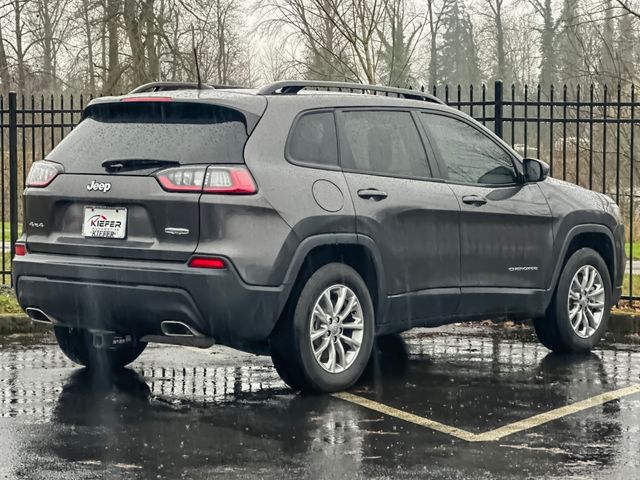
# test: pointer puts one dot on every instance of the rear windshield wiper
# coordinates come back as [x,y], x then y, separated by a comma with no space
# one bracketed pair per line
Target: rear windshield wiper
[130,164]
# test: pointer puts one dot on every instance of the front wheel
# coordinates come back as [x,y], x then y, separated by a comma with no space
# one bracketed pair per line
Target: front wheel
[578,315]
[324,340]
[78,346]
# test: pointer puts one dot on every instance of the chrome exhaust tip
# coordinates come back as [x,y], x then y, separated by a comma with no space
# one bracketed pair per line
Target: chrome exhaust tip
[37,315]
[173,328]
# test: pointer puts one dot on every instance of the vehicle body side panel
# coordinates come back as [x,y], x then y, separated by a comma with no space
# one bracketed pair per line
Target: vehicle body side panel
[248,230]
[577,210]
[289,188]
[505,242]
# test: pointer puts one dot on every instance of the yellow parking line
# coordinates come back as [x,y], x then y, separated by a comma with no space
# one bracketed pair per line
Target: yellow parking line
[406,416]
[497,433]
[556,413]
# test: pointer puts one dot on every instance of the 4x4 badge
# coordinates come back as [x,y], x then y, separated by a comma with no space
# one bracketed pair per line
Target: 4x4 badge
[99,186]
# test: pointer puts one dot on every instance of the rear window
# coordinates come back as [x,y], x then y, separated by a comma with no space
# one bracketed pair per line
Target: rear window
[184,132]
[314,141]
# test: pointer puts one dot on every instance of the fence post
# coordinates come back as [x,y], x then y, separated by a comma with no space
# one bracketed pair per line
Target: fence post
[498,101]
[13,171]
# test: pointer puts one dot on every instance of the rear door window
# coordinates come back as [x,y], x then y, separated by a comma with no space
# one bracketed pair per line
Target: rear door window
[313,140]
[188,133]
[382,142]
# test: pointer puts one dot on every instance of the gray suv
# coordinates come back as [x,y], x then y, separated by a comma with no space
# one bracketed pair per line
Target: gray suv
[302,220]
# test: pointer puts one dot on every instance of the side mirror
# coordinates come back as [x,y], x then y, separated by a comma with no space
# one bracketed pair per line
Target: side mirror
[535,170]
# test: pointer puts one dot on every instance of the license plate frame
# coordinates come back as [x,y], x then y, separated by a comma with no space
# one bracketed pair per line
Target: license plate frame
[104,222]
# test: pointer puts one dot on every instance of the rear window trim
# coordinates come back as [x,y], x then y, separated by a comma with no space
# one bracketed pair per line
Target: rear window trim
[287,149]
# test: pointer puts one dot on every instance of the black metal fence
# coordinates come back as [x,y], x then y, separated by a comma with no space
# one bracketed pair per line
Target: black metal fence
[586,135]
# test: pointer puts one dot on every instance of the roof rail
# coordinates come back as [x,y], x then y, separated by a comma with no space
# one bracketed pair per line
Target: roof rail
[287,87]
[164,86]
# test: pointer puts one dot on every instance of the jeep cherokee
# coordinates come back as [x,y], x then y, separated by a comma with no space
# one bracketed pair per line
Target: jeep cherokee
[302,223]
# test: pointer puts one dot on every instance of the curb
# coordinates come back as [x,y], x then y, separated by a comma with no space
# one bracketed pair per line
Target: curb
[20,323]
[625,323]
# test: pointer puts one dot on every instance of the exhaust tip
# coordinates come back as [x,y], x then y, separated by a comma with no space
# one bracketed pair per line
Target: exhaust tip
[173,328]
[37,315]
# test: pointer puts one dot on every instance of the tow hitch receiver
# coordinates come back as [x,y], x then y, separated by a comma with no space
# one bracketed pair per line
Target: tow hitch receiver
[111,340]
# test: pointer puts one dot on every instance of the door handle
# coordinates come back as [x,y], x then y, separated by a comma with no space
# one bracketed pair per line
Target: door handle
[476,200]
[372,194]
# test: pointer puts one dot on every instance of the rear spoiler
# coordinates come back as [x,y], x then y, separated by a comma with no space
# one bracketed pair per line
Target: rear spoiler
[251,111]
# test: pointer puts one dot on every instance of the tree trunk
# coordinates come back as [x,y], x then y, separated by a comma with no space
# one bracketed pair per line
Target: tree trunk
[153,73]
[90,62]
[134,34]
[5,78]
[113,66]
[433,55]
[500,51]
[47,46]
[548,64]
[19,51]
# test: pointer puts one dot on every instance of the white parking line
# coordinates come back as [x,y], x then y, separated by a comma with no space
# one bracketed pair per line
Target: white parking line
[497,433]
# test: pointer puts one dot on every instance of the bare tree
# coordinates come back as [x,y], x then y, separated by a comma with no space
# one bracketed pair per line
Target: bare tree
[113,68]
[18,48]
[5,76]
[49,26]
[301,22]
[108,46]
[87,23]
[548,61]
[354,27]
[400,42]
[628,7]
[494,11]
[436,12]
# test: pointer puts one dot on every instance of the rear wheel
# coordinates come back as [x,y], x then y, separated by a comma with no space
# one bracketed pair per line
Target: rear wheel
[324,340]
[578,315]
[77,345]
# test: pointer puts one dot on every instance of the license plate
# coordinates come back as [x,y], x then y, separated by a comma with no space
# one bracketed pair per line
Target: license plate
[104,222]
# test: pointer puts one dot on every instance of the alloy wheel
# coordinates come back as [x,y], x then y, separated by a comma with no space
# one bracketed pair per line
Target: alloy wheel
[336,328]
[586,301]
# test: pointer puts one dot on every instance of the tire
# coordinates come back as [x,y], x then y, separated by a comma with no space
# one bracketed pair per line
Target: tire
[77,345]
[292,349]
[556,329]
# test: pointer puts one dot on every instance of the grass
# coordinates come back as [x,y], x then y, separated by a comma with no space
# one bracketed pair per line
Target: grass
[636,250]
[8,302]
[6,281]
[636,285]
[6,228]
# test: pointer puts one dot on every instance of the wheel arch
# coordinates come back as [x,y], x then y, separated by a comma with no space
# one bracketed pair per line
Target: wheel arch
[597,237]
[357,251]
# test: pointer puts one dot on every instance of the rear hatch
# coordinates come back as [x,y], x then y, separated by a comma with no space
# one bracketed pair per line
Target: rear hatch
[126,182]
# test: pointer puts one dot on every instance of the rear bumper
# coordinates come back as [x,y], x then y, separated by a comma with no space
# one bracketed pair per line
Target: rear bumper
[136,296]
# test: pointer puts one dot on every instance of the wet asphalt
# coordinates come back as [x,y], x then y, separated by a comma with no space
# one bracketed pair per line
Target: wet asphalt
[185,413]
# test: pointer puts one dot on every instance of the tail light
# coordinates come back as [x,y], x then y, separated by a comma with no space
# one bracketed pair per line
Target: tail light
[20,249]
[208,179]
[182,179]
[207,262]
[42,174]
